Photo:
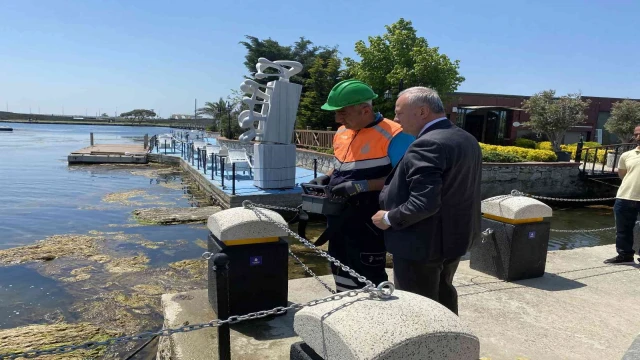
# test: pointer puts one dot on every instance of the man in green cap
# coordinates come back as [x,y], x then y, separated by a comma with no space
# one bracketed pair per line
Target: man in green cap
[366,147]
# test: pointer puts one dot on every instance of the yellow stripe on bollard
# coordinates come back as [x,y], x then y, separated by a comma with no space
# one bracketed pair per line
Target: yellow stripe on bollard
[251,241]
[512,221]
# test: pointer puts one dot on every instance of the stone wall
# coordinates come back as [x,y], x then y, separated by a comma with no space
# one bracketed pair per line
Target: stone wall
[547,179]
[561,179]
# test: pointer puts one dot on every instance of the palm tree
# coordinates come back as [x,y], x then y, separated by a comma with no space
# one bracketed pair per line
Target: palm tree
[214,109]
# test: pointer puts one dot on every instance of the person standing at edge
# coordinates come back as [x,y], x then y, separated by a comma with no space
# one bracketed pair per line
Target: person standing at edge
[431,200]
[627,203]
[366,147]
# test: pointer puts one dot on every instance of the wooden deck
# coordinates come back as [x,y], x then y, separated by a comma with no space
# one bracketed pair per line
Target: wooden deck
[112,149]
[110,153]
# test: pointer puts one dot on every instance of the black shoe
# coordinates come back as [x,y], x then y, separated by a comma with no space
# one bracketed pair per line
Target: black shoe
[620,259]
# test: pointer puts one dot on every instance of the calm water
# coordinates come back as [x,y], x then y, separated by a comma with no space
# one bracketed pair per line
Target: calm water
[41,195]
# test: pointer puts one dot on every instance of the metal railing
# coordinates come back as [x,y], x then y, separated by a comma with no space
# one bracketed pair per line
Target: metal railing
[597,160]
[314,138]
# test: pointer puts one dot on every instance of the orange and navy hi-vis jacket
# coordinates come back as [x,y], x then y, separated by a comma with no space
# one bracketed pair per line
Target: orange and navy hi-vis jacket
[362,154]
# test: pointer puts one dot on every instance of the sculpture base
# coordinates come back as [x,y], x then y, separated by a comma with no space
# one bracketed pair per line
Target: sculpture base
[274,166]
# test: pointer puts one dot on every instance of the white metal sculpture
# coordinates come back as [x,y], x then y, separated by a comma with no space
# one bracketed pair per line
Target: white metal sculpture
[274,155]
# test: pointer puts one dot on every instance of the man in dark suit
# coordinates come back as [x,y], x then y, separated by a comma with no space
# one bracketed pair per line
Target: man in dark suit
[431,200]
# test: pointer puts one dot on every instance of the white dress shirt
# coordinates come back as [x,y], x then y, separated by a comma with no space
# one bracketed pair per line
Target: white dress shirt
[426,126]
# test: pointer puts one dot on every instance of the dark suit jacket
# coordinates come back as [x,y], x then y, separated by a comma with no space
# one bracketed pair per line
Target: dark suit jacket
[433,196]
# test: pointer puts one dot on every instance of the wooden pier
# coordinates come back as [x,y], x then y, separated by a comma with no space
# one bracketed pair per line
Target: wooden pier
[111,154]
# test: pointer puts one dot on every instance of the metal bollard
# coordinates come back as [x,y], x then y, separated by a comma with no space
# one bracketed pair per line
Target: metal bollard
[222,171]
[315,168]
[204,160]
[213,163]
[233,179]
[221,267]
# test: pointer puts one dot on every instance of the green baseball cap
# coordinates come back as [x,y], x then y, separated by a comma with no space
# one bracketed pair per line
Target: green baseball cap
[347,93]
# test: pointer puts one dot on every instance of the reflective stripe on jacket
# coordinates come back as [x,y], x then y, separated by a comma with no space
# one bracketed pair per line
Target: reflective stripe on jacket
[363,154]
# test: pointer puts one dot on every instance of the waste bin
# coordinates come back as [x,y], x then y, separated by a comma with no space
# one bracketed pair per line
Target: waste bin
[258,260]
[515,238]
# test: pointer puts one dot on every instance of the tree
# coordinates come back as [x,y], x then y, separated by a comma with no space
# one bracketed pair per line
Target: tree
[400,54]
[302,51]
[554,116]
[323,75]
[139,114]
[625,116]
[104,115]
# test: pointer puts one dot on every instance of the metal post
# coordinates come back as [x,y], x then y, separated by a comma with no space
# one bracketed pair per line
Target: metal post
[199,158]
[315,168]
[173,143]
[204,160]
[213,164]
[221,267]
[222,171]
[192,155]
[146,141]
[91,138]
[579,150]
[165,146]
[233,179]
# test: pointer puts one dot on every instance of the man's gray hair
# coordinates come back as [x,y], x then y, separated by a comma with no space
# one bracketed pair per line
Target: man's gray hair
[424,96]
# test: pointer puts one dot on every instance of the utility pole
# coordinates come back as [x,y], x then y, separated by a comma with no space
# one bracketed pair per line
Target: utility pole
[195,110]
[62,110]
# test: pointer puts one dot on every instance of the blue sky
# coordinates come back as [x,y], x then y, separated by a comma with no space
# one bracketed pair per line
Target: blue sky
[90,55]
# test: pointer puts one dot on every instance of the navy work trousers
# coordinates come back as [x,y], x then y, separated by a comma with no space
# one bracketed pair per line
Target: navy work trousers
[359,245]
[626,213]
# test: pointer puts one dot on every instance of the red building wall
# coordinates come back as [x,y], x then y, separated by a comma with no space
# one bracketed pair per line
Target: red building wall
[598,104]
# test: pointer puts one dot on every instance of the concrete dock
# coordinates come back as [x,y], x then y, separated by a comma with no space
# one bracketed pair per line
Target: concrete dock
[110,153]
[581,309]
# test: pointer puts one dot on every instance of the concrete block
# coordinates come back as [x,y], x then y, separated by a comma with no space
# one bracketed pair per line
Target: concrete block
[240,223]
[407,326]
[516,207]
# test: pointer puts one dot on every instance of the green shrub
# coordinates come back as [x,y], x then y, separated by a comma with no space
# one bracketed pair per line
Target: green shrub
[526,154]
[525,143]
[601,157]
[498,157]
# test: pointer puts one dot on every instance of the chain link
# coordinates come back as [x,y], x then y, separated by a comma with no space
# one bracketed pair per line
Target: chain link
[308,270]
[588,230]
[384,290]
[369,286]
[520,193]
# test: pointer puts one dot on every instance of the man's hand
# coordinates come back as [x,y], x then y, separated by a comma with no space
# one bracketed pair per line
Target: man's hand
[320,180]
[350,188]
[378,220]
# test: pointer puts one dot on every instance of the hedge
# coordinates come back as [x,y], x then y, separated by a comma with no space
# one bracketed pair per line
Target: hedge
[523,153]
[525,143]
[601,158]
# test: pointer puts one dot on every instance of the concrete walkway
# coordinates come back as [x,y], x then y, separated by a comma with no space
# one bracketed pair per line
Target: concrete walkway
[581,309]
